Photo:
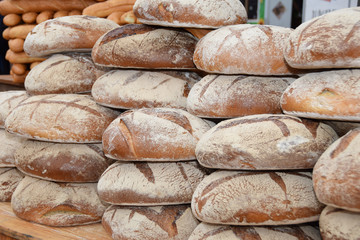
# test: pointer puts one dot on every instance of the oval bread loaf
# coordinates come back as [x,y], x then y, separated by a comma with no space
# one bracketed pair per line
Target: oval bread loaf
[9,180]
[8,101]
[342,127]
[9,144]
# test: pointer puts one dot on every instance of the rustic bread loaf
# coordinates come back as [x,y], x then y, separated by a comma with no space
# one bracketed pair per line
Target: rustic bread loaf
[205,231]
[9,180]
[256,198]
[137,89]
[150,223]
[57,204]
[69,118]
[337,175]
[154,134]
[142,46]
[244,49]
[78,33]
[264,142]
[49,76]
[9,144]
[328,41]
[149,184]
[342,127]
[337,223]
[62,162]
[8,101]
[190,13]
[223,96]
[324,95]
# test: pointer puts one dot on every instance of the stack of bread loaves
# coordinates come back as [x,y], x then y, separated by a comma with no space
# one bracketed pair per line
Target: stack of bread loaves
[328,43]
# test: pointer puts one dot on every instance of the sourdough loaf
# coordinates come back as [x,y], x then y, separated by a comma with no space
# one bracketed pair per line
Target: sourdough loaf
[149,184]
[264,142]
[190,13]
[57,204]
[70,118]
[8,101]
[78,33]
[142,46]
[9,180]
[342,127]
[9,144]
[256,198]
[137,89]
[154,134]
[151,223]
[336,174]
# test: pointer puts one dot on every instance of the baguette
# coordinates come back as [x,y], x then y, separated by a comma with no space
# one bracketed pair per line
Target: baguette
[44,16]
[12,19]
[104,9]
[29,17]
[16,45]
[20,31]
[115,17]
[61,13]
[20,57]
[19,68]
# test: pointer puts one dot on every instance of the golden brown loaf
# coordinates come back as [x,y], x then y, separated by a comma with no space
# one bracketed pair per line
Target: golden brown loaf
[9,180]
[8,101]
[9,144]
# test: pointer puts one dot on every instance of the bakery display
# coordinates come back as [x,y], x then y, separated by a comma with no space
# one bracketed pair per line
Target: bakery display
[9,180]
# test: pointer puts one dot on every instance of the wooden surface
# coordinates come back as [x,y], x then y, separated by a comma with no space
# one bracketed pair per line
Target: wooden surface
[12,226]
[7,79]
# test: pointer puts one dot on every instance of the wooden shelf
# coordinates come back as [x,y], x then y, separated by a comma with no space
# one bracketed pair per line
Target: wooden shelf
[7,79]
[14,227]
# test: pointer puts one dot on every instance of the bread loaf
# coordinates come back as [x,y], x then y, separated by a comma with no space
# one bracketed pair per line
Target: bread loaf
[137,89]
[342,127]
[150,223]
[264,142]
[205,231]
[78,33]
[9,144]
[8,101]
[328,41]
[149,184]
[324,95]
[256,198]
[191,13]
[142,46]
[198,32]
[337,223]
[61,162]
[222,96]
[67,118]
[9,180]
[244,49]
[49,76]
[336,174]
[154,134]
[57,204]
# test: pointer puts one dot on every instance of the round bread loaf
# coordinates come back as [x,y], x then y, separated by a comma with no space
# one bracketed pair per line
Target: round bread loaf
[137,89]
[142,46]
[329,41]
[9,180]
[223,96]
[341,127]
[337,175]
[244,49]
[57,204]
[66,34]
[154,134]
[67,118]
[324,95]
[150,223]
[49,76]
[9,144]
[264,142]
[337,223]
[256,198]
[62,162]
[190,13]
[149,184]
[205,231]
[8,101]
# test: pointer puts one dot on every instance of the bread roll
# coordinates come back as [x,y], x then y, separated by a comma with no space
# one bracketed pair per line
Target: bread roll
[137,89]
[256,198]
[244,49]
[16,44]
[29,17]
[149,184]
[78,33]
[142,46]
[68,118]
[8,101]
[222,96]
[9,144]
[337,223]
[20,31]
[150,223]
[104,9]
[154,134]
[75,12]
[205,231]
[336,174]
[115,16]
[342,127]
[16,78]
[128,18]
[61,13]
[191,13]
[49,76]
[61,162]
[264,142]
[9,180]
[330,95]
[5,33]
[57,204]
[19,68]
[12,19]
[20,57]
[44,16]
[328,41]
